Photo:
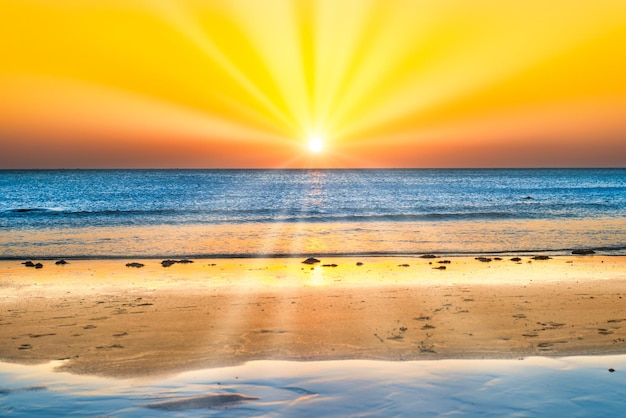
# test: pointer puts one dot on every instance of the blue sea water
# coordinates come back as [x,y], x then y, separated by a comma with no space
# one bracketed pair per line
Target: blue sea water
[78,213]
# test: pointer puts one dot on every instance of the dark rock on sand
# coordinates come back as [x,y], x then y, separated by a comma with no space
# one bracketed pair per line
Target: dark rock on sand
[516,259]
[583,252]
[61,263]
[359,263]
[136,265]
[311,260]
[444,262]
[483,259]
[403,265]
[167,263]
[28,264]
[542,257]
[329,265]
[38,266]
[440,268]
[428,256]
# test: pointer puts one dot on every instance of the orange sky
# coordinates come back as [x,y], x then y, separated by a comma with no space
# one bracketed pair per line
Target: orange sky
[239,83]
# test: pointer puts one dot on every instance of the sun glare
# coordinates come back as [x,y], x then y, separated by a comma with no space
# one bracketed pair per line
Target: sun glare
[316,144]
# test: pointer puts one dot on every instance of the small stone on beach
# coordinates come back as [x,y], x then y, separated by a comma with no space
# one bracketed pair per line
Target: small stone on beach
[61,263]
[28,264]
[359,263]
[135,265]
[428,256]
[542,257]
[311,260]
[516,259]
[168,263]
[483,259]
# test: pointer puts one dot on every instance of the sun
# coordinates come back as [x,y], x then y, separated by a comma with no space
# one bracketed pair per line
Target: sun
[316,144]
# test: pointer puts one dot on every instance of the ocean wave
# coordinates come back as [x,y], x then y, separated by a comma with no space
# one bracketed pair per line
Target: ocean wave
[256,215]
[95,213]
[402,217]
[37,217]
[34,210]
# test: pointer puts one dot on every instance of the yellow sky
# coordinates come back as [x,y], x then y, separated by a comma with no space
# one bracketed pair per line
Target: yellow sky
[242,83]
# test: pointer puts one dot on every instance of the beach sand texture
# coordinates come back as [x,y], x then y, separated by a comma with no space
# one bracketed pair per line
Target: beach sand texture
[111,320]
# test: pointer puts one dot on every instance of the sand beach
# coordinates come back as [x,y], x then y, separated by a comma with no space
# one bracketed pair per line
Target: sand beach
[103,318]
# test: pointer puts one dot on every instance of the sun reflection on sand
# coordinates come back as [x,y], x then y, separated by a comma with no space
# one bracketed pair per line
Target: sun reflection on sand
[317,276]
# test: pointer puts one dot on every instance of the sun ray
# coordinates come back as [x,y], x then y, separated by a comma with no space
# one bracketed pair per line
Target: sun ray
[408,92]
[283,61]
[357,71]
[375,54]
[186,22]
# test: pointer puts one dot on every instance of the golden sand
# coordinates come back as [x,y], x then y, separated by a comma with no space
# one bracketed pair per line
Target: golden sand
[109,319]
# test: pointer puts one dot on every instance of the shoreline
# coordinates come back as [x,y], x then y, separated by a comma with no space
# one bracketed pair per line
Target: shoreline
[108,319]
[563,252]
[326,239]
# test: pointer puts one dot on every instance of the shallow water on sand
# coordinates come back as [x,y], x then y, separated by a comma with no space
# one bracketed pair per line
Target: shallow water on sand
[572,386]
[605,235]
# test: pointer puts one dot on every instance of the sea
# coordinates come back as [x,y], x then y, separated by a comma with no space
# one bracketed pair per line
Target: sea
[283,213]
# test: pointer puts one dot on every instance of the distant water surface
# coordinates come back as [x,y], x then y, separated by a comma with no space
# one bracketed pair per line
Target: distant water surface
[152,213]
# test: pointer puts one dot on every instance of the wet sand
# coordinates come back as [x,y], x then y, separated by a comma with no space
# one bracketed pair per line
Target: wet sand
[112,320]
